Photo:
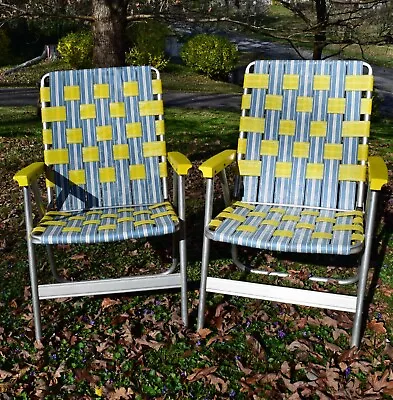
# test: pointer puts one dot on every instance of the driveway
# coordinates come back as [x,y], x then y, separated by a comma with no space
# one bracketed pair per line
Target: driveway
[383,83]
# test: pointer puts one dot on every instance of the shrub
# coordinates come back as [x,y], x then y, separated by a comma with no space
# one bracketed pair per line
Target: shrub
[210,55]
[4,48]
[139,57]
[77,49]
[147,41]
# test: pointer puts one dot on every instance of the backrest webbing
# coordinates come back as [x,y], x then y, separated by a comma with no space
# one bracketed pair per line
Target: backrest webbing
[304,130]
[104,128]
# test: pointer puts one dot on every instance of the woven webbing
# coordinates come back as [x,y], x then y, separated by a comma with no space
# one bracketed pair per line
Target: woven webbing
[103,128]
[305,132]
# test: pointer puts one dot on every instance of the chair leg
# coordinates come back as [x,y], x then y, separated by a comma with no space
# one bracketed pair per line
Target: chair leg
[32,265]
[364,265]
[34,291]
[183,274]
[52,264]
[182,248]
[205,254]
[202,289]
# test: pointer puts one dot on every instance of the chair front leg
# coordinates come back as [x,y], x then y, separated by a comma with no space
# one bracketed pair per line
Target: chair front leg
[205,254]
[182,248]
[364,266]
[32,264]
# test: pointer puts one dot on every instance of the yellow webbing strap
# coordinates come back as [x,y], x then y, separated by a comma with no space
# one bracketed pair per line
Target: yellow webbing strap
[271,222]
[290,82]
[305,225]
[321,235]
[321,82]
[72,229]
[90,154]
[352,227]
[117,110]
[107,227]
[256,81]
[283,233]
[101,91]
[244,205]
[247,228]
[151,107]
[235,217]
[260,214]
[144,222]
[125,219]
[92,222]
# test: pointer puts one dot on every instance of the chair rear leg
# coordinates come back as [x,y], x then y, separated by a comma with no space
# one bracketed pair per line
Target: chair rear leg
[364,265]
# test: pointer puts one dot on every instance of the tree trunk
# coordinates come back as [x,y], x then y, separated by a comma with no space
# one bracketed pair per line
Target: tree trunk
[320,36]
[109,32]
[318,46]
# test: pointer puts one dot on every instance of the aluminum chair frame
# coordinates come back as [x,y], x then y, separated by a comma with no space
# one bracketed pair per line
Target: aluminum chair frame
[216,167]
[28,177]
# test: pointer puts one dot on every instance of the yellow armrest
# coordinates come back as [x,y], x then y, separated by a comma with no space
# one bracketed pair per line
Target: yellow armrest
[180,163]
[217,163]
[377,173]
[29,174]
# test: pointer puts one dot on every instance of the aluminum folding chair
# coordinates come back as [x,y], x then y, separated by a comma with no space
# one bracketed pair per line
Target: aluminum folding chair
[307,182]
[105,163]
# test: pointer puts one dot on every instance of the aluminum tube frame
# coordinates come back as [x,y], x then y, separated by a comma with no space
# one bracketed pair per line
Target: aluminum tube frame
[32,264]
[205,253]
[364,266]
[182,247]
[109,286]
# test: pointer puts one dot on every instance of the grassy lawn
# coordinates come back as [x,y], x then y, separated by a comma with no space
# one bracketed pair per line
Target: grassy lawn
[134,347]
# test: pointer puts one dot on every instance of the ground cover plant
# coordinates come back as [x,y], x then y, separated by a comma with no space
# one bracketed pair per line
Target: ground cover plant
[134,347]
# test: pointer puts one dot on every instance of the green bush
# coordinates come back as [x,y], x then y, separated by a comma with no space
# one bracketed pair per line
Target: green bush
[77,49]
[139,57]
[147,41]
[4,48]
[210,55]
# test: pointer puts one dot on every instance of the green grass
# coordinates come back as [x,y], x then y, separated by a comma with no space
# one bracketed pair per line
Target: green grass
[135,345]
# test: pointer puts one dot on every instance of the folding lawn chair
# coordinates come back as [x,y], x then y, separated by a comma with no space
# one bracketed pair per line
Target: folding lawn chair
[307,182]
[105,163]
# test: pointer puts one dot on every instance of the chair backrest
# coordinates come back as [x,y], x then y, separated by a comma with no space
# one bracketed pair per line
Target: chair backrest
[303,132]
[104,136]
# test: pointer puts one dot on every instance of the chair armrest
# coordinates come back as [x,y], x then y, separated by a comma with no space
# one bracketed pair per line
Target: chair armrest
[377,173]
[179,162]
[217,163]
[26,176]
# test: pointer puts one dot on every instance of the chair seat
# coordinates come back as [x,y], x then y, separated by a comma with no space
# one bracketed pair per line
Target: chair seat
[106,225]
[289,228]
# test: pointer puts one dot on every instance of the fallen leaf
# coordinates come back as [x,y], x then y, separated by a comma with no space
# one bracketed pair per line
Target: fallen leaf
[108,302]
[296,345]
[256,347]
[246,371]
[377,327]
[204,332]
[200,373]
[5,374]
[152,343]
[220,385]
[330,322]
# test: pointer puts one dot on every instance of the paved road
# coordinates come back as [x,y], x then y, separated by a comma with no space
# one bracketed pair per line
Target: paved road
[383,83]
